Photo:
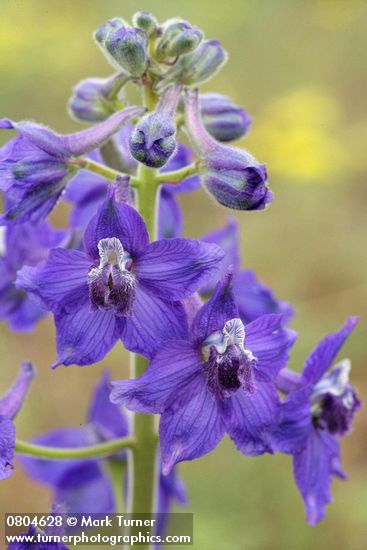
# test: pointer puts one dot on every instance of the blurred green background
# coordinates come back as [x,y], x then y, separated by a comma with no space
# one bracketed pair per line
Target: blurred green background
[299,68]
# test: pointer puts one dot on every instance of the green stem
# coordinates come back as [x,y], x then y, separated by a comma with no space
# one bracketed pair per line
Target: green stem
[178,175]
[107,448]
[115,468]
[143,472]
[101,170]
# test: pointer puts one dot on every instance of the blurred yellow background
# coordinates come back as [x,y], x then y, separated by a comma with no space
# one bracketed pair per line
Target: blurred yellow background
[299,68]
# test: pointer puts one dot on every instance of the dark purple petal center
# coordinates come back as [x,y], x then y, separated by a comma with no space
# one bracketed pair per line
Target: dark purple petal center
[229,371]
[111,285]
[335,413]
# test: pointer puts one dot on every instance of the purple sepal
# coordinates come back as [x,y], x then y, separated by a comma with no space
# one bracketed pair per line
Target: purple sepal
[216,312]
[314,469]
[7,443]
[24,244]
[254,298]
[10,405]
[322,357]
[227,238]
[12,401]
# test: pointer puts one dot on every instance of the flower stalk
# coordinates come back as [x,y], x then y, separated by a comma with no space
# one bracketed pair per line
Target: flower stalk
[99,450]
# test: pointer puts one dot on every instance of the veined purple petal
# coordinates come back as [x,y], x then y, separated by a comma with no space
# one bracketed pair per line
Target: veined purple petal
[173,372]
[216,312]
[294,422]
[106,418]
[36,201]
[7,442]
[85,336]
[175,268]
[171,488]
[60,282]
[269,342]
[153,321]
[118,220]
[94,495]
[26,315]
[170,223]
[314,468]
[227,238]
[288,381]
[250,418]
[190,429]
[12,401]
[326,351]
[255,299]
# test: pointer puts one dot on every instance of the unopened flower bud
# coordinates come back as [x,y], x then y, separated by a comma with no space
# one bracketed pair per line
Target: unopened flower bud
[198,66]
[93,98]
[111,26]
[222,119]
[178,38]
[232,176]
[145,21]
[124,46]
[153,140]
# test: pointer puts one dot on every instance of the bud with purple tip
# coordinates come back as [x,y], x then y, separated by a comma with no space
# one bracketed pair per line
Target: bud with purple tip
[145,21]
[232,176]
[153,140]
[124,46]
[224,120]
[178,38]
[198,66]
[111,26]
[95,99]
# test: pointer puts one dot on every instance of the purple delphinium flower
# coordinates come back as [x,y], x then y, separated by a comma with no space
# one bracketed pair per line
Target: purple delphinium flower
[253,297]
[213,382]
[84,485]
[23,244]
[232,176]
[317,412]
[36,166]
[10,405]
[120,287]
[153,141]
[222,119]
